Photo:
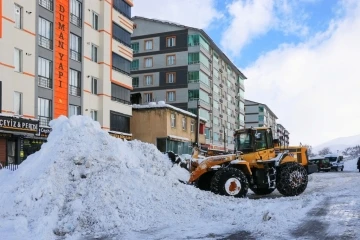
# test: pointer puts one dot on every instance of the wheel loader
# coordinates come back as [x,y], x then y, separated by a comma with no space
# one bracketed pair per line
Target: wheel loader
[254,164]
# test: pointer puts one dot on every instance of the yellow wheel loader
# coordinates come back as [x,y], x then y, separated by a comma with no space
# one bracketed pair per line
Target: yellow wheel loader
[254,164]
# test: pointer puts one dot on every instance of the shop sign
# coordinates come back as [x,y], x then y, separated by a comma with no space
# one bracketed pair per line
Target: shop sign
[119,135]
[5,135]
[19,124]
[44,132]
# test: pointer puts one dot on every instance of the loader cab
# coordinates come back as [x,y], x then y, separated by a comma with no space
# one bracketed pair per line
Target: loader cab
[258,141]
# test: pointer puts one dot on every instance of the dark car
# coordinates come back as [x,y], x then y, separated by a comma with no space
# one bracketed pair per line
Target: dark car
[358,164]
[322,163]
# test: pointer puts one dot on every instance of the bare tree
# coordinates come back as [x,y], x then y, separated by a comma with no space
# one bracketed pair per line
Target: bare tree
[309,150]
[324,151]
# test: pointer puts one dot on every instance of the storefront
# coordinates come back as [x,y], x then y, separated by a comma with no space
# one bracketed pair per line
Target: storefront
[14,132]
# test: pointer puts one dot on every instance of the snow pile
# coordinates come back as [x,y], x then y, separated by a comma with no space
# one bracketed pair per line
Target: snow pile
[84,183]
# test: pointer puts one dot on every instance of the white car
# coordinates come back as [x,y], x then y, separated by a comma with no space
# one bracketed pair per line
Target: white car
[336,161]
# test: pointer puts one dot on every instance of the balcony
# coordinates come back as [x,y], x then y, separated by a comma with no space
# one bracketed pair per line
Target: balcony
[44,121]
[74,91]
[120,100]
[75,20]
[48,4]
[44,82]
[74,55]
[45,42]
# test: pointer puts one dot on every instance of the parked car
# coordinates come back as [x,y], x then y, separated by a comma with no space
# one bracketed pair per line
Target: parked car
[322,163]
[358,164]
[336,161]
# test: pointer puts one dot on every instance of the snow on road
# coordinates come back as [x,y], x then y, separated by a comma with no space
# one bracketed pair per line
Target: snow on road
[84,183]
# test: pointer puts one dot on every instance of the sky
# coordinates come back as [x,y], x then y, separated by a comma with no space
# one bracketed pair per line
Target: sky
[299,56]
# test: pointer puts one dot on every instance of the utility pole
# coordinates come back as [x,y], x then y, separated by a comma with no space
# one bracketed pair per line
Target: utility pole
[197,123]
[224,139]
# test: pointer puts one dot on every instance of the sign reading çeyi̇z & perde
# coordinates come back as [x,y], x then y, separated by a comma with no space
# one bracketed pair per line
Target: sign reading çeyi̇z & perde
[19,124]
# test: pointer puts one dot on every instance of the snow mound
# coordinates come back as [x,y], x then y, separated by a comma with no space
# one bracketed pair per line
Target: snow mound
[351,165]
[83,184]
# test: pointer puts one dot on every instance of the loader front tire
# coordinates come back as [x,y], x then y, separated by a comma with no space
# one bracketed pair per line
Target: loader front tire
[229,182]
[292,179]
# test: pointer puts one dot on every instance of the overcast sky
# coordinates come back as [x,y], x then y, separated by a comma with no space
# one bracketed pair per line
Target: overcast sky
[300,56]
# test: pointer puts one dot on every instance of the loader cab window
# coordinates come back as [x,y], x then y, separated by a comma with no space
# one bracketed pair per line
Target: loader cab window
[261,140]
[243,142]
[269,139]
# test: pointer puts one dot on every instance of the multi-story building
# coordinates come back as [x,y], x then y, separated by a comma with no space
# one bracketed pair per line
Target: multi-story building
[169,128]
[259,115]
[65,57]
[283,135]
[184,67]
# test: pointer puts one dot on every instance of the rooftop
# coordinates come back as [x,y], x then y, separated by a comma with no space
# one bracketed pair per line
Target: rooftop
[162,104]
[247,100]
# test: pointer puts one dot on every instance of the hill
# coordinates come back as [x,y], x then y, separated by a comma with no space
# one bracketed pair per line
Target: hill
[339,144]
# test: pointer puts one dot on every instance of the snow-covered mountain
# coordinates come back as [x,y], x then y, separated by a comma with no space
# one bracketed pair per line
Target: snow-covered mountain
[339,144]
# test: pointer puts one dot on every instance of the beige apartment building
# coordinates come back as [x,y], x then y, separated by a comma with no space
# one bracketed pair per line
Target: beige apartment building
[62,57]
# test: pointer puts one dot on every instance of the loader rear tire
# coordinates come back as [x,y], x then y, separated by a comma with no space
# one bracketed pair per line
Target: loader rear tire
[229,182]
[262,191]
[292,179]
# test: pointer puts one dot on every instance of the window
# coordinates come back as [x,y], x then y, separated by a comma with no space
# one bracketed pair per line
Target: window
[18,12]
[216,136]
[148,97]
[95,20]
[173,120]
[120,64]
[170,77]
[170,60]
[197,76]
[44,111]
[74,110]
[170,41]
[148,62]
[119,122]
[18,60]
[94,85]
[45,33]
[261,118]
[261,109]
[44,73]
[135,82]
[148,44]
[134,65]
[48,4]
[122,7]
[192,126]
[120,94]
[75,13]
[148,80]
[93,115]
[74,83]
[121,35]
[17,103]
[170,96]
[94,53]
[135,47]
[183,123]
[75,47]
[193,58]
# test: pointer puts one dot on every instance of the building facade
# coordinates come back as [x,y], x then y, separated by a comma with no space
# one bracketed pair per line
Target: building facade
[167,127]
[67,57]
[260,115]
[183,66]
[283,135]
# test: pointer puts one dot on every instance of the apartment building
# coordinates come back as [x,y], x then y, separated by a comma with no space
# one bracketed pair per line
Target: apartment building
[182,66]
[64,57]
[259,115]
[283,135]
[169,128]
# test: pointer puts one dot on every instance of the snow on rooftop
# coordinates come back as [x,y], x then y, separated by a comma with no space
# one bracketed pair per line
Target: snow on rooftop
[162,104]
[85,184]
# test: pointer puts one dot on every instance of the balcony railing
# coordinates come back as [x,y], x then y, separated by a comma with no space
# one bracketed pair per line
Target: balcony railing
[45,42]
[120,100]
[44,121]
[48,4]
[74,90]
[74,55]
[75,20]
[44,82]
